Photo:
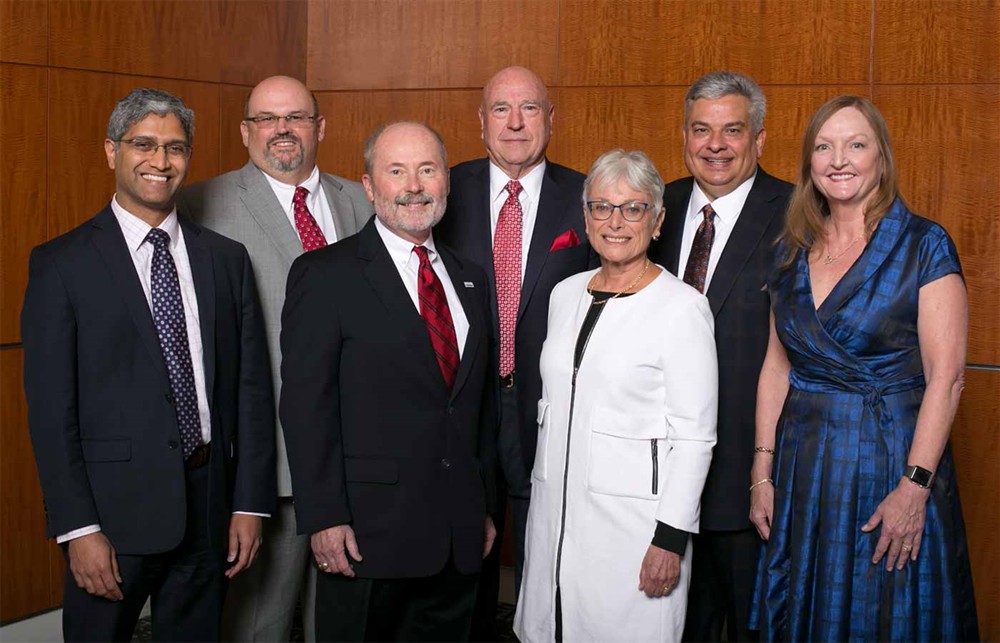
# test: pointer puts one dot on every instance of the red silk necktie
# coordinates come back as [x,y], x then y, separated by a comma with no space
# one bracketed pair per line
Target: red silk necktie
[507,267]
[309,232]
[701,250]
[437,316]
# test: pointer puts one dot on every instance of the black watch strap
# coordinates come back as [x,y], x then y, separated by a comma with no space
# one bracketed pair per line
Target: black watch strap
[919,476]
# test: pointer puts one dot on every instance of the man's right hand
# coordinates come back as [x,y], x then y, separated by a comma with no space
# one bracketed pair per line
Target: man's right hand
[331,548]
[94,565]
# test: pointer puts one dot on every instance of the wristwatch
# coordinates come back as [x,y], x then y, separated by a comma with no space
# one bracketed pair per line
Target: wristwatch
[919,476]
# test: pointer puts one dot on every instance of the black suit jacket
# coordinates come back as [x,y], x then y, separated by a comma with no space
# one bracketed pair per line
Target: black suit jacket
[375,438]
[466,227]
[741,306]
[102,424]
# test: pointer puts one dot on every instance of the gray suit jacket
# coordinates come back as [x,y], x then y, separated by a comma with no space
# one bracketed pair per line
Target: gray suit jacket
[242,206]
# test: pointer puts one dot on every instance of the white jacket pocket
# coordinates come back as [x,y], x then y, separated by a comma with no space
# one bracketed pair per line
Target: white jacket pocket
[627,455]
[541,469]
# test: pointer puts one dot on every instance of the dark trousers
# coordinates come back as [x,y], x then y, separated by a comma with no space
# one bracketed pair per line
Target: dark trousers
[435,608]
[723,570]
[187,586]
[515,487]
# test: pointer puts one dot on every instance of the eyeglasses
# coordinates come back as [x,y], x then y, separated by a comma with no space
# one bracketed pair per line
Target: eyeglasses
[149,147]
[632,210]
[267,121]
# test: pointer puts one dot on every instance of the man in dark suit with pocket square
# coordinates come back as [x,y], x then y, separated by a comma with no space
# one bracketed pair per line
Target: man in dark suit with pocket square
[388,408]
[728,213]
[520,218]
[149,394]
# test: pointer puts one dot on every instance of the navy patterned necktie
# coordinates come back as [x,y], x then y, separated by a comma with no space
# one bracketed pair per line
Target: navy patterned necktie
[168,315]
[701,250]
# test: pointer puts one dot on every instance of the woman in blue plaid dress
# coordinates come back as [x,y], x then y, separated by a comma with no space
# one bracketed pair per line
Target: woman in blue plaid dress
[864,369]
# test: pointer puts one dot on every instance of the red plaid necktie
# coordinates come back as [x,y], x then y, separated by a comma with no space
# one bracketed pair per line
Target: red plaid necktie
[701,250]
[437,317]
[309,232]
[507,267]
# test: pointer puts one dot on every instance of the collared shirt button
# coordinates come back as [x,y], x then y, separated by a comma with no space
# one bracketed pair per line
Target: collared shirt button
[172,444]
[445,463]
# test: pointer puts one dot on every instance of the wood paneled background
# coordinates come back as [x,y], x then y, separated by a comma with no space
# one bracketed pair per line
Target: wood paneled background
[617,70]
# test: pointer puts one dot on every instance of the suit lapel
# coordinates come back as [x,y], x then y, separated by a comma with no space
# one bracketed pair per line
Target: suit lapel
[110,242]
[384,279]
[203,274]
[746,236]
[675,202]
[459,278]
[263,206]
[548,222]
[345,221]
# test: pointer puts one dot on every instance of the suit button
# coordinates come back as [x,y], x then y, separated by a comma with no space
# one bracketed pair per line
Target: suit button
[170,398]
[445,463]
[172,444]
[451,410]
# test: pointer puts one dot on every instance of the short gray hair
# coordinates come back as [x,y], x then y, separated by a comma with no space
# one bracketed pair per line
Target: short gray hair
[144,101]
[727,83]
[634,167]
[374,136]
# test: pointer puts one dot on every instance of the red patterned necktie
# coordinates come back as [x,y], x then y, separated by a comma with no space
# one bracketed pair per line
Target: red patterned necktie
[701,250]
[309,232]
[507,267]
[437,317]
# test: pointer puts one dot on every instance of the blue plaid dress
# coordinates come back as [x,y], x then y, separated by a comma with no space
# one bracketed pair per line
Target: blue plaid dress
[842,442]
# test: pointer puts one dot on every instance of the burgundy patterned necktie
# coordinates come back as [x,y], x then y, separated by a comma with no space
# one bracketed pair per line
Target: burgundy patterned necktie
[437,316]
[507,267]
[701,250]
[309,232]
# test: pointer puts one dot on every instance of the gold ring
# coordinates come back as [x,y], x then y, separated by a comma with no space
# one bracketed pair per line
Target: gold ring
[907,547]
[323,565]
[666,588]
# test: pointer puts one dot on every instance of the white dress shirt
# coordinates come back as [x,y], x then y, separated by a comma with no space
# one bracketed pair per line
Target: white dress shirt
[408,265]
[531,190]
[727,210]
[316,201]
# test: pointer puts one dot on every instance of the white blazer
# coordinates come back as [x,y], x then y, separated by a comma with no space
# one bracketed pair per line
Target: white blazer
[637,452]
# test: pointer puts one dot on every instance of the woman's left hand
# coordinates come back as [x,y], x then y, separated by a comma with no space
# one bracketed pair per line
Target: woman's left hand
[660,572]
[901,515]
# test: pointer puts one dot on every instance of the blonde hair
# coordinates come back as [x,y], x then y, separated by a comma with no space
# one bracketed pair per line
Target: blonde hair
[808,208]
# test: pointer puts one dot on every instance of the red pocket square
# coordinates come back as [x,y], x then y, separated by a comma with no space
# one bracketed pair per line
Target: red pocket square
[567,239]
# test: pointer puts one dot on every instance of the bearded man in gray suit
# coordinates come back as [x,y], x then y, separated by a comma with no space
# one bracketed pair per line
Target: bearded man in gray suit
[279,205]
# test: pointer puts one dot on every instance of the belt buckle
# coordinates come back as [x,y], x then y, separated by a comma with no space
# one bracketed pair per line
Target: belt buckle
[507,381]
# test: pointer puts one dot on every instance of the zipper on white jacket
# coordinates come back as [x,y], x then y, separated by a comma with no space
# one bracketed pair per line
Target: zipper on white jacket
[656,466]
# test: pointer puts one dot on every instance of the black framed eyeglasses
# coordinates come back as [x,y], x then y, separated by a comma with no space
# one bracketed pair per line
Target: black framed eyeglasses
[631,210]
[267,121]
[149,147]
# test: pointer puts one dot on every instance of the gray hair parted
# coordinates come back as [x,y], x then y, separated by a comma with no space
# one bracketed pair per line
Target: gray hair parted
[635,167]
[727,83]
[144,101]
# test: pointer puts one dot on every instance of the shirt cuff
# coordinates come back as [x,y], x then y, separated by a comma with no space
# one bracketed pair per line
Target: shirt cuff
[252,513]
[670,538]
[77,533]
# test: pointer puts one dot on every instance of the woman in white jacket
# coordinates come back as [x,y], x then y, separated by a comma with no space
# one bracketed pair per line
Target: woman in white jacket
[626,428]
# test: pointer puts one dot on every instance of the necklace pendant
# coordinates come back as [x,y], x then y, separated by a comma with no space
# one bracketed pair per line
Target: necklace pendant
[828,260]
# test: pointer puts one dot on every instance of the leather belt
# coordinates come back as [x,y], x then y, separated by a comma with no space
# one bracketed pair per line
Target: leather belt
[199,457]
[507,381]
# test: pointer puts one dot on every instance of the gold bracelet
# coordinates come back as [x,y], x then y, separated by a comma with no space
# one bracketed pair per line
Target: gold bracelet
[763,450]
[760,482]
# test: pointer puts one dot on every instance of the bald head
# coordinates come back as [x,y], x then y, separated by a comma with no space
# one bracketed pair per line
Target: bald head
[282,129]
[516,120]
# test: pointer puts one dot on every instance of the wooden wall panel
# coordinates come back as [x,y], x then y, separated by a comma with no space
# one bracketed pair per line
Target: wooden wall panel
[237,41]
[25,584]
[22,185]
[975,444]
[948,151]
[80,182]
[417,44]
[23,31]
[929,41]
[643,42]
[352,116]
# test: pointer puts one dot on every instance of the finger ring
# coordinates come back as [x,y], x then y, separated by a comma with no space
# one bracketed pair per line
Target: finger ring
[907,547]
[323,565]
[666,588]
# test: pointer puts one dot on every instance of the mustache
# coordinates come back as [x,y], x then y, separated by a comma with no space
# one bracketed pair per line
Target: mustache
[284,137]
[414,198]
